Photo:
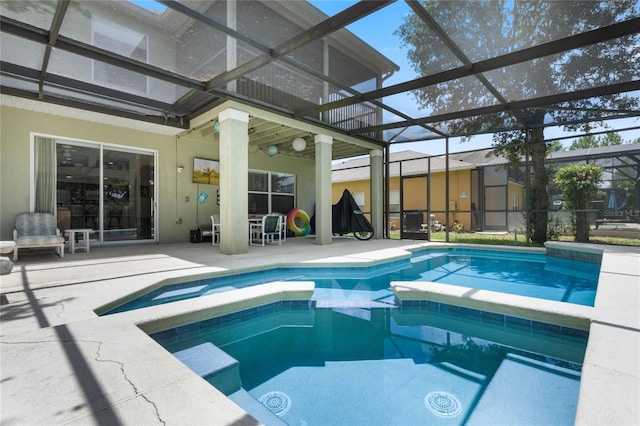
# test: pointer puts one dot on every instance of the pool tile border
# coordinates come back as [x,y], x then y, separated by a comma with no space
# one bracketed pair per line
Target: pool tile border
[235,317]
[507,321]
[579,253]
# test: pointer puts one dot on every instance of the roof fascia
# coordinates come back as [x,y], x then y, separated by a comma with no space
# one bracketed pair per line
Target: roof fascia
[64,102]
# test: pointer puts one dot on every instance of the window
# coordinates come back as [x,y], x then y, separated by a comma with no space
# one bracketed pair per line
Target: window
[271,192]
[359,199]
[394,200]
[124,41]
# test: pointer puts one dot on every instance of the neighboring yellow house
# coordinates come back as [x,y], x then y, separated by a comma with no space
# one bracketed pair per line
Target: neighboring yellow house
[483,194]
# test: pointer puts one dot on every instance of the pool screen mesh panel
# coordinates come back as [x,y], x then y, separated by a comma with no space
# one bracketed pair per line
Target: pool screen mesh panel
[168,61]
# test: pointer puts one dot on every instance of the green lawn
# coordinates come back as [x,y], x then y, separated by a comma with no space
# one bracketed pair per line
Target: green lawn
[509,239]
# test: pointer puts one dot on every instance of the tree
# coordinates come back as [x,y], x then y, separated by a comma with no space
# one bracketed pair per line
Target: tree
[584,142]
[555,146]
[579,185]
[490,28]
[610,139]
[589,141]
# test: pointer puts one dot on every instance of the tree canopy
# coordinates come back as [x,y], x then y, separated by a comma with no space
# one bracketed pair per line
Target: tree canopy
[494,27]
[589,141]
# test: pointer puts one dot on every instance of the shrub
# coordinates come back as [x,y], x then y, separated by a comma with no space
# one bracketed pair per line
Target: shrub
[579,184]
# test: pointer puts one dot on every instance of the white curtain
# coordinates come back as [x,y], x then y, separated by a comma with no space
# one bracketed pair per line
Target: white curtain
[45,175]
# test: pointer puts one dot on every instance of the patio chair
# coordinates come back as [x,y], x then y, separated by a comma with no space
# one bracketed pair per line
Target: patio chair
[215,230]
[266,231]
[35,230]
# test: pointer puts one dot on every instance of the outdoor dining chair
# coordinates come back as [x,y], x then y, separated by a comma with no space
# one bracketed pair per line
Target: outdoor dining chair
[215,229]
[267,231]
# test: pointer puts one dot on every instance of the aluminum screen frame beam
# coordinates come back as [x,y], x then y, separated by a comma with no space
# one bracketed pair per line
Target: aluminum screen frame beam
[613,31]
[517,105]
[323,29]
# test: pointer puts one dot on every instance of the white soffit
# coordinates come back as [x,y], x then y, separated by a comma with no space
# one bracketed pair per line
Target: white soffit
[95,117]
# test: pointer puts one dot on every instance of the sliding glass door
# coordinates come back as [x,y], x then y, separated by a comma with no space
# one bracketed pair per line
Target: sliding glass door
[127,195]
[78,187]
[105,188]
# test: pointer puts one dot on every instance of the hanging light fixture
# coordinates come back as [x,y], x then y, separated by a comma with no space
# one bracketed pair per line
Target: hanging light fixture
[299,144]
[272,150]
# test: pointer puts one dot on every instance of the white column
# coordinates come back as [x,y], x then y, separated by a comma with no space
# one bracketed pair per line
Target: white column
[234,178]
[377,208]
[323,189]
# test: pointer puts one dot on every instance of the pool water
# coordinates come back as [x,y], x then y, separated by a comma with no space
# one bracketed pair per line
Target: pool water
[386,366]
[526,274]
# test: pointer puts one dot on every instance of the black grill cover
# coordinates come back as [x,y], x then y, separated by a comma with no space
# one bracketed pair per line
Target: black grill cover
[347,216]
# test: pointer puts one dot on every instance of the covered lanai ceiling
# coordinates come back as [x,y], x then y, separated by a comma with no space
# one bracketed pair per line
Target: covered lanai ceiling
[500,65]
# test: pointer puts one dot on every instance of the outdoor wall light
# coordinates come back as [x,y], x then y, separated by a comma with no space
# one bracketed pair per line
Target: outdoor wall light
[180,169]
[299,144]
[272,150]
[216,126]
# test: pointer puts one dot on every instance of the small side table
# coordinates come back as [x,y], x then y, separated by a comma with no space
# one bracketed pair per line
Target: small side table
[72,238]
[7,247]
[6,265]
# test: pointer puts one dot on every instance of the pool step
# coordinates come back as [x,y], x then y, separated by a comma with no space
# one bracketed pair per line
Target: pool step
[523,390]
[214,365]
[369,392]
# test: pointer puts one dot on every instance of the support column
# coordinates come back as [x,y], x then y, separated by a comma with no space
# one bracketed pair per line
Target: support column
[377,209]
[234,181]
[323,189]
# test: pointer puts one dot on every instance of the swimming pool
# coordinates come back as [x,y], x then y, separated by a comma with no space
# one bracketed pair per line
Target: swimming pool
[522,273]
[302,364]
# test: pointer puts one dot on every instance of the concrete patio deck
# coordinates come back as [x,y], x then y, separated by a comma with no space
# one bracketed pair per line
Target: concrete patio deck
[62,364]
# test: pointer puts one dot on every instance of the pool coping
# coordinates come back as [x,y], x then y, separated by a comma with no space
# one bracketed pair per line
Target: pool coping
[367,260]
[162,317]
[541,310]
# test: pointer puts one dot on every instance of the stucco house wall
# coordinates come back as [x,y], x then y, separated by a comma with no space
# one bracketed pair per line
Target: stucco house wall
[173,188]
